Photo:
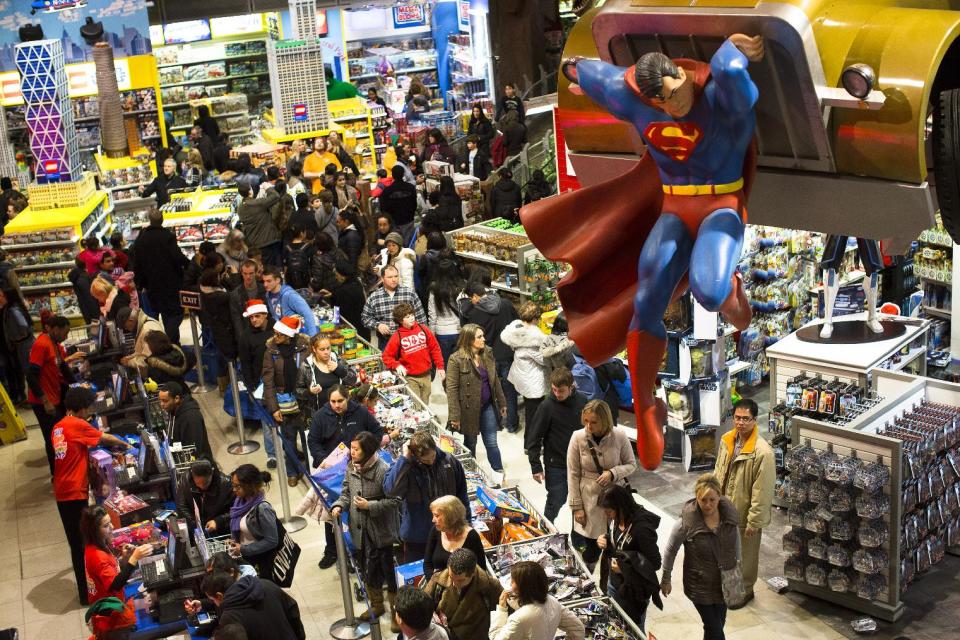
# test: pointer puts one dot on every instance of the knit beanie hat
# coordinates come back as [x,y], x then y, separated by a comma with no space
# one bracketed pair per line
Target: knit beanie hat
[288,326]
[255,306]
[394,237]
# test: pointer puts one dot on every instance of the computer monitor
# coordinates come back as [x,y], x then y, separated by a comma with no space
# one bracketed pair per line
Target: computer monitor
[172,547]
[142,458]
[200,539]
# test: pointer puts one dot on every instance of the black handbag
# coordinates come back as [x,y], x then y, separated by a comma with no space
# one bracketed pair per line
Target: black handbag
[279,564]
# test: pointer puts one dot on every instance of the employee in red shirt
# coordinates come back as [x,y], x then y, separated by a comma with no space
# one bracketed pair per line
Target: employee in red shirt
[72,438]
[106,575]
[412,351]
[47,377]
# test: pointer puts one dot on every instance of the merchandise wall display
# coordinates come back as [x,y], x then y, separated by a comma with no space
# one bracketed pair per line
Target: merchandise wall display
[874,503]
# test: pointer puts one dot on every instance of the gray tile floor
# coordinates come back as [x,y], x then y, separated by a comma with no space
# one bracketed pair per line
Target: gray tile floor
[38,597]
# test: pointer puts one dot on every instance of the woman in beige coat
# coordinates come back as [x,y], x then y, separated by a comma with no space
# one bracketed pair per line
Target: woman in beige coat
[597,457]
[474,397]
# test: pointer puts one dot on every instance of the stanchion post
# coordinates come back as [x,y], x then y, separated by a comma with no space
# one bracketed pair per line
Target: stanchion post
[291,523]
[244,446]
[349,628]
[197,349]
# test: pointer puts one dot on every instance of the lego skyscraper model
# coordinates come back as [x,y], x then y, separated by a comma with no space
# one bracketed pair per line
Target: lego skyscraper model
[49,114]
[297,81]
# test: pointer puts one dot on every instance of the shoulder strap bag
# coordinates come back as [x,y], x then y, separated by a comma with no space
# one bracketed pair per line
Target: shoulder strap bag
[600,469]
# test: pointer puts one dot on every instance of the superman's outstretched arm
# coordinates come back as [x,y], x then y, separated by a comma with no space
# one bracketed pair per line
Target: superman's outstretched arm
[604,83]
[733,90]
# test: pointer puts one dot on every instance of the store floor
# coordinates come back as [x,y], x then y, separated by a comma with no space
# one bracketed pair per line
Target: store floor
[37,594]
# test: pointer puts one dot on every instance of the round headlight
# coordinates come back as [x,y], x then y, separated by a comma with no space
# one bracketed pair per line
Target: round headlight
[858,80]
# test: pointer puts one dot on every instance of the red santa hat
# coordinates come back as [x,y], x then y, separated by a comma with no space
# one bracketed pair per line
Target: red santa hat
[288,326]
[255,306]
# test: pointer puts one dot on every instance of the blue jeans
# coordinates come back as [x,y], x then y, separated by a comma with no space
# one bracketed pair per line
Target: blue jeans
[268,439]
[448,344]
[555,480]
[488,431]
[714,616]
[513,420]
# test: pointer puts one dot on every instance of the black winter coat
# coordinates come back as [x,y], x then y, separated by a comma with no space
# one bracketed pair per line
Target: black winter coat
[160,265]
[322,269]
[328,429]
[482,164]
[215,315]
[250,347]
[263,609]
[400,201]
[553,426]
[189,429]
[349,296]
[483,129]
[351,243]
[238,304]
[162,185]
[638,557]
[505,198]
[212,504]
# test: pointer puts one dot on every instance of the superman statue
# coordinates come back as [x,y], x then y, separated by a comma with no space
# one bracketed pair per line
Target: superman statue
[675,221]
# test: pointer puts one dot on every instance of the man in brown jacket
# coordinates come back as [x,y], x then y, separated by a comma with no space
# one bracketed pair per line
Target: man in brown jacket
[746,469]
[465,594]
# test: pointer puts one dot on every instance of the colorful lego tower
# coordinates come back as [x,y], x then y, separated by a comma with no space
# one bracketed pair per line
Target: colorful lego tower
[49,114]
[297,81]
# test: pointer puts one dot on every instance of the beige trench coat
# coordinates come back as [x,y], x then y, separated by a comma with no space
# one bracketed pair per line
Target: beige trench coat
[616,455]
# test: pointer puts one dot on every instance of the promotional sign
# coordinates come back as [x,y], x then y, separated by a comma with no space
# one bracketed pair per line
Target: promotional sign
[463,14]
[189,31]
[409,15]
[236,25]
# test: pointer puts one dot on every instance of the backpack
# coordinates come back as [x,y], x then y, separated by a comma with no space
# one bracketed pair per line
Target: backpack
[298,267]
[282,211]
[585,378]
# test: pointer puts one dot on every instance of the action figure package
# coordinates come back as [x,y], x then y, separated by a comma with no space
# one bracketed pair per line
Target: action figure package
[569,578]
[604,620]
[682,403]
[503,505]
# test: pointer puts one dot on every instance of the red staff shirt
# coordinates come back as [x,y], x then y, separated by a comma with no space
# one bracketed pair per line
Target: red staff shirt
[72,439]
[102,568]
[48,355]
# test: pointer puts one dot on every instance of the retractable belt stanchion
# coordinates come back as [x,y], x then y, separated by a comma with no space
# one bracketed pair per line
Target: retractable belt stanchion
[244,446]
[197,349]
[292,523]
[349,628]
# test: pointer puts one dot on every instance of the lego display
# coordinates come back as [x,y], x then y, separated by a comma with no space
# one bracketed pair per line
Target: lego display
[49,114]
[112,134]
[299,99]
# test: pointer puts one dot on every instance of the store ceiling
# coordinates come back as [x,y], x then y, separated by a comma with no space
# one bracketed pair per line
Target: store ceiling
[162,11]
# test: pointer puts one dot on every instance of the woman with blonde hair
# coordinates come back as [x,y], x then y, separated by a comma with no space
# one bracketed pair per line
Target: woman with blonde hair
[475,399]
[451,531]
[708,531]
[111,298]
[598,456]
[193,170]
[234,250]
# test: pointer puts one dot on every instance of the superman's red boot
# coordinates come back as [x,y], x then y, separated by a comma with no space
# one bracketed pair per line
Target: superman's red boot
[644,353]
[736,308]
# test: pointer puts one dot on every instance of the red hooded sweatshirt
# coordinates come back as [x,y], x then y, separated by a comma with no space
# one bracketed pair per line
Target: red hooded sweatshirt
[414,348]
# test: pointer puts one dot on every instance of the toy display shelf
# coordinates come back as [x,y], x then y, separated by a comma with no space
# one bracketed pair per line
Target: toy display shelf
[354,116]
[791,357]
[901,392]
[84,219]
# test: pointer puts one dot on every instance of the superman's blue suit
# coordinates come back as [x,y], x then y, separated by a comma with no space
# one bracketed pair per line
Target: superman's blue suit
[690,184]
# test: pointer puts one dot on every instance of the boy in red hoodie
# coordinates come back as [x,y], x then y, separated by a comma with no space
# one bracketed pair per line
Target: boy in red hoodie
[384,180]
[411,351]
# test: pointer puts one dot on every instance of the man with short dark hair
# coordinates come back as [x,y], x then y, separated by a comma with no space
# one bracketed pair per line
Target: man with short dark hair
[746,470]
[251,347]
[284,301]
[557,417]
[262,608]
[47,377]
[207,492]
[400,201]
[465,595]
[159,273]
[259,229]
[378,309]
[251,288]
[188,427]
[414,615]
[475,161]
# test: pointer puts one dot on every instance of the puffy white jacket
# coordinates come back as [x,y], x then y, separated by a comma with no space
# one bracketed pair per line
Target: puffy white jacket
[528,373]
[404,263]
[535,622]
